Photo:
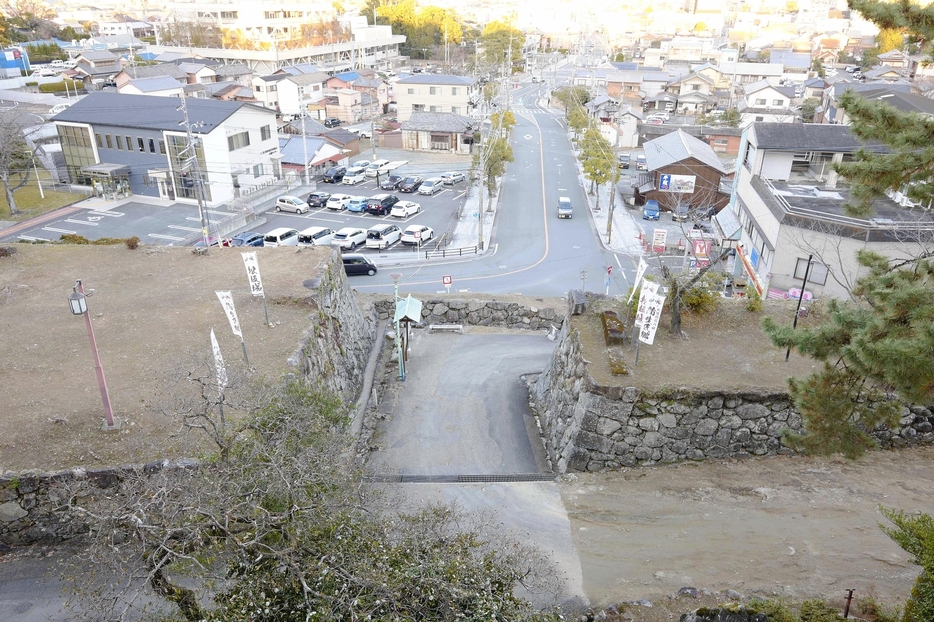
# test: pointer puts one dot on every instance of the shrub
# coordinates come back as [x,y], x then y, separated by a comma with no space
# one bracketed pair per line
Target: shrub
[818,611]
[74,238]
[775,610]
[132,243]
[704,297]
[754,301]
[58,87]
[32,83]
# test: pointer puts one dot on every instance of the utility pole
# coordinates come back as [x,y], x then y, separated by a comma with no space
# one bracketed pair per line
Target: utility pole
[304,149]
[609,219]
[192,160]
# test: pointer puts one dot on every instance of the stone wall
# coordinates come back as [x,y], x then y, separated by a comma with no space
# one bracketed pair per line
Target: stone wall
[589,427]
[333,353]
[481,313]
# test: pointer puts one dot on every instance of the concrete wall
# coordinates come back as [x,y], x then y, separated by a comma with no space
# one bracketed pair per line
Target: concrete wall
[588,427]
[333,353]
[481,313]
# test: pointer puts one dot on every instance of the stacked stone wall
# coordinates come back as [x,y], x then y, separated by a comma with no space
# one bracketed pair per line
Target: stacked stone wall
[481,313]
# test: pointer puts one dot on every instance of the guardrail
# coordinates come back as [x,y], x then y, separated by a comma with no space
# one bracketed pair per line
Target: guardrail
[454,252]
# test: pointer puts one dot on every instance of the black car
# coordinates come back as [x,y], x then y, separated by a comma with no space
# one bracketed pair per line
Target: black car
[392,182]
[332,122]
[249,238]
[318,199]
[358,264]
[335,175]
[410,184]
[381,204]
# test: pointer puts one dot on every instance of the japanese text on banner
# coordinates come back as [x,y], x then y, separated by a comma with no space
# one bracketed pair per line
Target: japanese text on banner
[648,288]
[653,314]
[251,263]
[227,302]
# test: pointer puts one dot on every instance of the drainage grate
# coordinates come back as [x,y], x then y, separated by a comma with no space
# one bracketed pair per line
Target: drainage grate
[462,479]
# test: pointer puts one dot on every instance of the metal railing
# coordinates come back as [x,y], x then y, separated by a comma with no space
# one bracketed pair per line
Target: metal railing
[455,252]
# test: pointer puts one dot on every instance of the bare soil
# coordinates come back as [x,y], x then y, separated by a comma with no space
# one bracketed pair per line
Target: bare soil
[152,309]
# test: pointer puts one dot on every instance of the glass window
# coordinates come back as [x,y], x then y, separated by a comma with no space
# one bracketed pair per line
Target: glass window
[760,102]
[238,141]
[141,144]
[109,142]
[265,132]
[162,147]
[817,274]
[152,145]
[410,91]
[455,109]
[100,141]
[434,90]
[455,91]
[129,143]
[778,102]
[119,142]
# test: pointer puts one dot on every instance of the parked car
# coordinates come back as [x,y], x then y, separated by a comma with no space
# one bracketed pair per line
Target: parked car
[431,186]
[44,72]
[318,199]
[354,176]
[654,121]
[658,114]
[283,236]
[451,178]
[355,264]
[338,201]
[623,160]
[392,182]
[361,164]
[349,238]
[291,204]
[214,242]
[376,166]
[404,209]
[335,175]
[357,204]
[417,234]
[247,238]
[332,122]
[315,236]
[650,210]
[640,162]
[382,236]
[410,184]
[381,204]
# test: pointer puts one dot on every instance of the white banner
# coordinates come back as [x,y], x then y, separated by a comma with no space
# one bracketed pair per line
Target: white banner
[653,313]
[677,183]
[219,364]
[640,272]
[648,288]
[227,302]
[251,263]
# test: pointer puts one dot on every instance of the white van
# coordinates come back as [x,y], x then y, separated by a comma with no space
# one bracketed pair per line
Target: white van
[354,176]
[382,236]
[283,236]
[316,236]
[376,166]
[431,186]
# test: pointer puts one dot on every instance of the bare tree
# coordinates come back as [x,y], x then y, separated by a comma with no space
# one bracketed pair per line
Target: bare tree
[16,156]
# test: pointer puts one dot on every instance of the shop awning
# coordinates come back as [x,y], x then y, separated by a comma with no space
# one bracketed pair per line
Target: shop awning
[106,170]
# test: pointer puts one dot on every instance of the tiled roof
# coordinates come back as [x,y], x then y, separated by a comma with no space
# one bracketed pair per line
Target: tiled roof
[805,137]
[677,147]
[437,122]
[156,83]
[421,78]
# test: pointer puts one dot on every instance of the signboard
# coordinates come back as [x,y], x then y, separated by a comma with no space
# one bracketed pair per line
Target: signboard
[683,184]
[219,364]
[640,272]
[701,253]
[446,280]
[659,239]
[251,263]
[648,289]
[227,302]
[653,313]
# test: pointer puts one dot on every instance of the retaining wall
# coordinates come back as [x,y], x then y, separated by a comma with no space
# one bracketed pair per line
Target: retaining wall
[481,313]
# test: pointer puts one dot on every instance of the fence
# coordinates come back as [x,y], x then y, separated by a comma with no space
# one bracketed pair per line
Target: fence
[454,252]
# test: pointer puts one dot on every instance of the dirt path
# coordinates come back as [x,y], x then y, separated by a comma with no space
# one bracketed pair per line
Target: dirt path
[786,526]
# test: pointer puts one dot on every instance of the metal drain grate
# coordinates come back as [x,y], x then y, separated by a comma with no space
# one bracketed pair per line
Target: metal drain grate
[462,479]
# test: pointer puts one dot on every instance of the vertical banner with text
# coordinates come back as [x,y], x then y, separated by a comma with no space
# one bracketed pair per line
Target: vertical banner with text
[219,364]
[227,302]
[640,272]
[251,263]
[648,289]
[653,313]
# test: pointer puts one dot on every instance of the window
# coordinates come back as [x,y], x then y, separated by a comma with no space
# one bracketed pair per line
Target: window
[817,274]
[434,109]
[129,143]
[141,144]
[455,110]
[720,142]
[778,102]
[695,87]
[434,90]
[418,107]
[100,141]
[410,91]
[455,91]
[272,88]
[162,147]
[760,102]
[119,142]
[760,119]
[265,133]
[228,15]
[152,145]
[238,141]
[110,144]
[259,88]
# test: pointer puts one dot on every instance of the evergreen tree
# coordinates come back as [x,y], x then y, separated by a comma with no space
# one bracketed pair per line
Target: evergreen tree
[915,534]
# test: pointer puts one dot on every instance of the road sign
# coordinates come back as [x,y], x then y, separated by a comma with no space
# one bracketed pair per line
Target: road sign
[609,271]
[446,280]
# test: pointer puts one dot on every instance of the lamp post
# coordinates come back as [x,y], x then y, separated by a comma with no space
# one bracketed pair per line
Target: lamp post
[79,306]
[395,301]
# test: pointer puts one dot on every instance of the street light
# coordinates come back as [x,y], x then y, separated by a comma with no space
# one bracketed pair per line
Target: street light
[78,302]
[395,276]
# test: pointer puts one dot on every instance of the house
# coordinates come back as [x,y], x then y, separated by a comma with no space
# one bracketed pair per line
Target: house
[795,65]
[895,59]
[98,66]
[723,139]
[695,93]
[266,89]
[298,91]
[434,93]
[136,144]
[628,120]
[682,173]
[313,152]
[814,88]
[831,112]
[351,106]
[135,72]
[788,205]
[375,87]
[886,73]
[127,27]
[162,86]
[437,131]
[763,102]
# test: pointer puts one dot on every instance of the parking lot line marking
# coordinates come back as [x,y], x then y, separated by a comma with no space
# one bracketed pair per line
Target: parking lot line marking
[81,222]
[216,213]
[181,228]
[30,238]
[114,214]
[165,237]
[193,218]
[54,230]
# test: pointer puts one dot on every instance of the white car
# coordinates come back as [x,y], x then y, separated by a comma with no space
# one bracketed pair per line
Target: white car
[291,204]
[349,238]
[417,234]
[404,209]
[315,236]
[449,179]
[338,201]
[355,175]
[44,72]
[431,186]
